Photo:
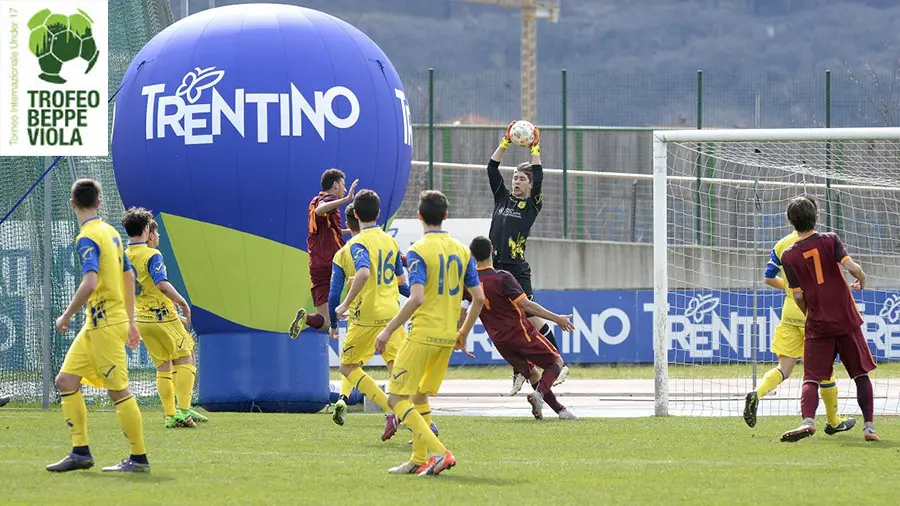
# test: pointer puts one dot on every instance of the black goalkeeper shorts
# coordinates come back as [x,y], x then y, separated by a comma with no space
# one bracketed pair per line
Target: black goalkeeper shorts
[522,272]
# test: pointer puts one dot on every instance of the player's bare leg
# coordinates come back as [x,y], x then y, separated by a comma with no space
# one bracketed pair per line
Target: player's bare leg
[75,412]
[772,379]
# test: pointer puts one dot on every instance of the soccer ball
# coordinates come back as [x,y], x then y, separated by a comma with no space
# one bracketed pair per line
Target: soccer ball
[56,39]
[522,133]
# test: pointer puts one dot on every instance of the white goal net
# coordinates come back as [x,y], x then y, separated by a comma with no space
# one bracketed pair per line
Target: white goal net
[719,208]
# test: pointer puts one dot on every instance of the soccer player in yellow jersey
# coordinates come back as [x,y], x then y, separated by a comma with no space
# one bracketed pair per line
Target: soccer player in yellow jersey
[167,340]
[440,267]
[373,299]
[97,355]
[787,344]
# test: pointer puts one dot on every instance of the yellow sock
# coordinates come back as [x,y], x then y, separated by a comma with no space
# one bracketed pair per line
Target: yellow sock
[132,424]
[166,390]
[346,386]
[184,384]
[829,392]
[367,386]
[770,381]
[423,439]
[425,411]
[76,416]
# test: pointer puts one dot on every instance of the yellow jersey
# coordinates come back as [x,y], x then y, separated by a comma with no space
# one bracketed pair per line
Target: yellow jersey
[150,304]
[790,312]
[379,300]
[99,248]
[444,266]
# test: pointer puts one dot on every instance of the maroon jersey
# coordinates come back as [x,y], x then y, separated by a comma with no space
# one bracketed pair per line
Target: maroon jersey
[324,239]
[812,266]
[504,321]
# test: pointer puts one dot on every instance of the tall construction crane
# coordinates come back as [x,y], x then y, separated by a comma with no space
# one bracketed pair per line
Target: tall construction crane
[532,10]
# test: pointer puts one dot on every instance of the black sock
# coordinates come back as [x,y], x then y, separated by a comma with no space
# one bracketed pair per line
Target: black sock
[344,398]
[140,459]
[547,331]
[81,450]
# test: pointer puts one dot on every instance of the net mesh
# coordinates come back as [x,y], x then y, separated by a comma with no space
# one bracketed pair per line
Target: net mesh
[726,211]
[38,269]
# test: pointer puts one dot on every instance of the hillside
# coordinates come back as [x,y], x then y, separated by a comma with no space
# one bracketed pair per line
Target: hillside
[634,63]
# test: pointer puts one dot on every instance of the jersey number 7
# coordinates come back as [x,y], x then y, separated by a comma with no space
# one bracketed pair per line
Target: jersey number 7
[817,264]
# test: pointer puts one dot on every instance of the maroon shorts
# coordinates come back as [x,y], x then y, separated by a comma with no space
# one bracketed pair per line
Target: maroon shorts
[523,354]
[819,354]
[321,284]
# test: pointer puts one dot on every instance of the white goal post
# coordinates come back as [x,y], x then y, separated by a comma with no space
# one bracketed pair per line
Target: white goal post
[719,199]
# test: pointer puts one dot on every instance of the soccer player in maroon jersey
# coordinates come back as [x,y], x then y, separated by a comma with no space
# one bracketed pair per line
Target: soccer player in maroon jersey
[514,336]
[325,238]
[813,270]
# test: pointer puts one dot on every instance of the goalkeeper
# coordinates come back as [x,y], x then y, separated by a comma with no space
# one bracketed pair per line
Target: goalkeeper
[514,214]
[787,344]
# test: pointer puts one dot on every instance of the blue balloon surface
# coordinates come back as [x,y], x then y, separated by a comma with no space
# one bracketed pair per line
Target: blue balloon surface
[231,115]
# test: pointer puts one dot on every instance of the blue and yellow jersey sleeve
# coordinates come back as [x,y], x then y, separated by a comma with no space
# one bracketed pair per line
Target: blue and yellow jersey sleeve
[88,254]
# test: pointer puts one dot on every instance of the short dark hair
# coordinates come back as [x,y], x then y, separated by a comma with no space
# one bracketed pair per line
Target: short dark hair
[352,222]
[86,193]
[480,248]
[432,207]
[525,168]
[366,206]
[154,227]
[135,220]
[801,212]
[331,176]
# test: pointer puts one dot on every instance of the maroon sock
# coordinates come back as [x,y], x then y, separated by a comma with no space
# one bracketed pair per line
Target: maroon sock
[551,401]
[809,399]
[864,396]
[548,377]
[315,320]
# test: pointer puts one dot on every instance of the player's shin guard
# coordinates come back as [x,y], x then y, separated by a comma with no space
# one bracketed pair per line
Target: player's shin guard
[425,411]
[770,382]
[547,378]
[132,424]
[166,389]
[75,412]
[422,435]
[346,387]
[315,320]
[367,386]
[865,396]
[184,375]
[829,392]
[809,399]
[547,331]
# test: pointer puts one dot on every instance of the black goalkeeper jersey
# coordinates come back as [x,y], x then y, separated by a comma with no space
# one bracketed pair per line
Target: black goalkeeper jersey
[513,217]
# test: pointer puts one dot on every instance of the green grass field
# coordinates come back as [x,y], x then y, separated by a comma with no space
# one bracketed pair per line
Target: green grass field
[305,459]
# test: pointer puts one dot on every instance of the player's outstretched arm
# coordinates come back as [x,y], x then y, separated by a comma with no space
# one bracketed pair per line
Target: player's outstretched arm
[326,207]
[498,187]
[533,308]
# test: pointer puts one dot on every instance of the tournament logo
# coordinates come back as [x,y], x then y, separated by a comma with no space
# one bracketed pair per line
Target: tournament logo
[55,78]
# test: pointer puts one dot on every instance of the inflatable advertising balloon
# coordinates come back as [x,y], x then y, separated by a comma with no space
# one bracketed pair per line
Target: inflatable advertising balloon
[223,126]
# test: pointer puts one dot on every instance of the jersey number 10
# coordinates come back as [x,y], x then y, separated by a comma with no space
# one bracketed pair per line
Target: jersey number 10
[447,278]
